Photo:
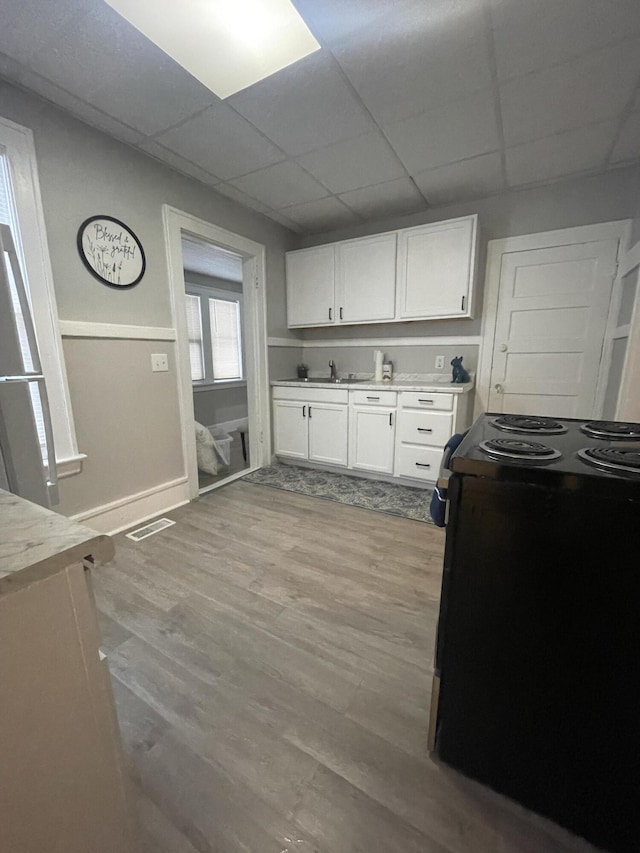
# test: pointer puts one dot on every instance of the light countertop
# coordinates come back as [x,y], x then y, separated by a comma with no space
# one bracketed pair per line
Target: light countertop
[36,542]
[429,384]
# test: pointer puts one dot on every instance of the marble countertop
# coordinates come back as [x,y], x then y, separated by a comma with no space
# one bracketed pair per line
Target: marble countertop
[36,542]
[428,383]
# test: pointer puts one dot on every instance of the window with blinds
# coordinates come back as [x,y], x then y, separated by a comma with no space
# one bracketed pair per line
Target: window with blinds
[224,319]
[215,335]
[8,217]
[194,328]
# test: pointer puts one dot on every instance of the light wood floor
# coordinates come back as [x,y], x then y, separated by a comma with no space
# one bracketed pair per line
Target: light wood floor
[271,658]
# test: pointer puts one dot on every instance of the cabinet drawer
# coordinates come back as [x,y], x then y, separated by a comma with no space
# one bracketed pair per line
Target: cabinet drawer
[311,395]
[424,400]
[374,398]
[421,463]
[433,428]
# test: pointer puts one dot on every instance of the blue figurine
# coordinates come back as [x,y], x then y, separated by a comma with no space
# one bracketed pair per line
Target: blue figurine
[460,375]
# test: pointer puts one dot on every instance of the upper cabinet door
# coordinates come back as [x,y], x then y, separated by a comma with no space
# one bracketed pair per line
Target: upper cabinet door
[366,279]
[311,287]
[436,270]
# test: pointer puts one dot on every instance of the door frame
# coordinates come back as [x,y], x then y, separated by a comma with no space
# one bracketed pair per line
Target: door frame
[496,249]
[255,341]
[628,406]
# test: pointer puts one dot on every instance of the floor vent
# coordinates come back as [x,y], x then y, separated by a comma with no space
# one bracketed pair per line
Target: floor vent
[149,529]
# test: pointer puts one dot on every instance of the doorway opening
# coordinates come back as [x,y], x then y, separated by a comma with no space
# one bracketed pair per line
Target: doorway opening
[215,326]
[217,287]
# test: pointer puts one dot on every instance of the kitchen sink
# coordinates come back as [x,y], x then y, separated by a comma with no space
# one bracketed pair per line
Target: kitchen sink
[326,380]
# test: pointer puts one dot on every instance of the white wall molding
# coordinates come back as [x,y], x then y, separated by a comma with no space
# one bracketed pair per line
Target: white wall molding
[284,342]
[327,343]
[135,509]
[80,329]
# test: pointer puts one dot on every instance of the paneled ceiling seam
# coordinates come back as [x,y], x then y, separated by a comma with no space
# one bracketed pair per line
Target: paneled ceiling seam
[495,87]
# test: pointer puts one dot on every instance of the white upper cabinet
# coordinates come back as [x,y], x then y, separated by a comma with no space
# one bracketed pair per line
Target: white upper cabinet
[436,269]
[366,279]
[311,287]
[423,273]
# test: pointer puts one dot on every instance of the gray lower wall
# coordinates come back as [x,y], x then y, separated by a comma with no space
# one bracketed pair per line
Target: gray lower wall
[126,418]
[219,405]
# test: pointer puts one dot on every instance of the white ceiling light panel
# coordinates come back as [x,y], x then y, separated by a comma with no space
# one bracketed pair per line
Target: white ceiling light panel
[225,44]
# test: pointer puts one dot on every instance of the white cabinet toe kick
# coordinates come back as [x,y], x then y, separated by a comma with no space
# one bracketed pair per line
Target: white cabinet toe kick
[392,434]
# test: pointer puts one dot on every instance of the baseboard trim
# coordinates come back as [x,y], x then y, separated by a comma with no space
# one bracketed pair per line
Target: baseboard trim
[330,343]
[116,516]
[80,329]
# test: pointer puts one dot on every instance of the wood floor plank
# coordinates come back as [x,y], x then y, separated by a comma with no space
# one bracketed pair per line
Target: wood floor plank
[272,659]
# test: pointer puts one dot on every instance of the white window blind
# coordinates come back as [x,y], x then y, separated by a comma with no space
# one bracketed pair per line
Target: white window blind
[224,316]
[194,327]
[8,217]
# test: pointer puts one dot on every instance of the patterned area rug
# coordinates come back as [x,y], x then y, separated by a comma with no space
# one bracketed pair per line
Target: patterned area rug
[356,491]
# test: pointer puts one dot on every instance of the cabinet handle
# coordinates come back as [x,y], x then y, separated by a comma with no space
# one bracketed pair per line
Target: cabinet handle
[425,401]
[304,411]
[423,465]
[341,312]
[330,313]
[390,418]
[309,412]
[424,429]
[463,301]
[373,398]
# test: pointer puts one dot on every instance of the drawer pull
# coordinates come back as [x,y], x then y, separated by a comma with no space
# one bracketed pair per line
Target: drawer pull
[423,465]
[425,401]
[304,411]
[424,429]
[373,398]
[390,418]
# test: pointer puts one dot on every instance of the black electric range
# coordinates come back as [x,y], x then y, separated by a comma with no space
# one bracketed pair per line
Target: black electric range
[568,452]
[537,673]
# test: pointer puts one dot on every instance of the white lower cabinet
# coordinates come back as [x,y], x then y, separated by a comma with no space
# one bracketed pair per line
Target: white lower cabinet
[311,424]
[328,431]
[373,431]
[395,433]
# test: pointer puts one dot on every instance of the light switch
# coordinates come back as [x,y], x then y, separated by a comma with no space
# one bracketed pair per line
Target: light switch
[159,362]
[439,362]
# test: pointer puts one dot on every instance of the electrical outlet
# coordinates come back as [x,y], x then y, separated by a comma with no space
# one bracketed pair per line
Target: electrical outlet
[439,362]
[159,362]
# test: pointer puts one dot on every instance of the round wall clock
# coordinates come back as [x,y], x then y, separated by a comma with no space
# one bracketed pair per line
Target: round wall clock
[111,251]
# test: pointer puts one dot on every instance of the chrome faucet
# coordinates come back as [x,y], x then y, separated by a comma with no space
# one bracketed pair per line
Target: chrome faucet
[334,372]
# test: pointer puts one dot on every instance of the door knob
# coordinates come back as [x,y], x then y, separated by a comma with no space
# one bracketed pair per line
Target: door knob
[499,388]
[503,347]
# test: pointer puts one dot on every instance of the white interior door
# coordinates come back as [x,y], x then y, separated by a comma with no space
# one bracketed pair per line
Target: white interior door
[553,307]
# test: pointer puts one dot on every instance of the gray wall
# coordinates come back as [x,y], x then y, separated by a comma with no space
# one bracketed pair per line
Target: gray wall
[219,405]
[406,359]
[126,416]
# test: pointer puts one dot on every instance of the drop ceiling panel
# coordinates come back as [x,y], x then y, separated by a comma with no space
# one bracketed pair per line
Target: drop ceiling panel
[456,131]
[433,54]
[321,214]
[245,200]
[592,88]
[557,31]
[305,106]
[25,30]
[628,145]
[281,186]
[222,142]
[472,178]
[564,154]
[387,199]
[355,163]
[149,146]
[90,53]
[332,19]
[164,94]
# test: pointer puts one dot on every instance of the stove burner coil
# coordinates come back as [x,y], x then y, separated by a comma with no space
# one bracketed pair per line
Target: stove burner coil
[519,450]
[528,424]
